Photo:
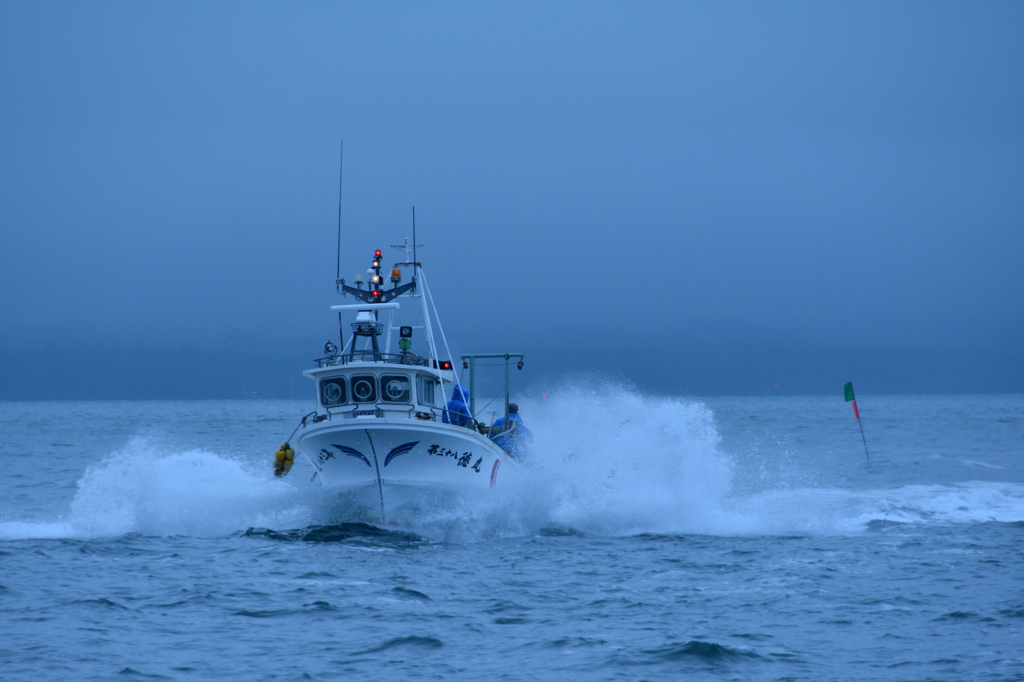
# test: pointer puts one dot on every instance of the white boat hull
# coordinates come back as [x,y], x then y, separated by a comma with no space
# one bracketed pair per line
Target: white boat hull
[359,452]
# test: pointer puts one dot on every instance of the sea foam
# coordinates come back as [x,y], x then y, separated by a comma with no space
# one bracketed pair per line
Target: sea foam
[605,460]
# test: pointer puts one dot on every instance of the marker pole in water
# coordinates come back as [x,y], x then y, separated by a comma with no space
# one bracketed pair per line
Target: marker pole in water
[848,394]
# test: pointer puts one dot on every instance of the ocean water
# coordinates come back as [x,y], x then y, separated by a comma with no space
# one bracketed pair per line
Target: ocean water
[652,539]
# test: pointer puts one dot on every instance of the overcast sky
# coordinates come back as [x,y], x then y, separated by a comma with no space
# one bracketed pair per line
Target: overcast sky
[831,173]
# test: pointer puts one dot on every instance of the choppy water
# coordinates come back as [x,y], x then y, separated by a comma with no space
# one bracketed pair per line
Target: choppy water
[743,539]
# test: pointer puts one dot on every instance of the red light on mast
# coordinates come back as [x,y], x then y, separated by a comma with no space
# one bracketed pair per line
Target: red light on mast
[376,254]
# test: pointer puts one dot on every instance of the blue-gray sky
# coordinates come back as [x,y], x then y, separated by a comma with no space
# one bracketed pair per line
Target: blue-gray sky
[810,174]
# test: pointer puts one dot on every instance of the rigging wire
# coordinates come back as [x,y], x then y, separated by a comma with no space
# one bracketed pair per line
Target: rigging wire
[482,409]
[440,328]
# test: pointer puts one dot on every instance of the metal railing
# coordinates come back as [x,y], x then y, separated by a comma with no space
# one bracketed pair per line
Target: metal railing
[437,414]
[372,356]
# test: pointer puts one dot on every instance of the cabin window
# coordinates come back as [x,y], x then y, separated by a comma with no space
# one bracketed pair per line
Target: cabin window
[425,389]
[394,388]
[332,392]
[364,388]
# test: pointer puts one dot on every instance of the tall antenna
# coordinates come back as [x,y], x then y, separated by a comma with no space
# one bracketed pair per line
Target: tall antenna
[341,176]
[338,282]
[415,262]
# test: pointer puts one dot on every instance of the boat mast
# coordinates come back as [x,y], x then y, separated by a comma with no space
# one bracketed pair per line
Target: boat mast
[338,281]
[428,327]
[405,248]
[341,177]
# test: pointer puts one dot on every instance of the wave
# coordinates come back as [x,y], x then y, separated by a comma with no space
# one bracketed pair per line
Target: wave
[143,489]
[605,461]
[615,462]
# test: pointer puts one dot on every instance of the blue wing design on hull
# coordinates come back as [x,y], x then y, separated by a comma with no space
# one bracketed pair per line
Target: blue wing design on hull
[352,452]
[400,450]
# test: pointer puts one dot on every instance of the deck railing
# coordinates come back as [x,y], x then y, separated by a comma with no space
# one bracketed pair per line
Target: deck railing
[372,356]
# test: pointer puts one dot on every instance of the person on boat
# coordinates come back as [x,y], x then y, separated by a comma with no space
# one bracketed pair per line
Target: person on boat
[456,410]
[515,440]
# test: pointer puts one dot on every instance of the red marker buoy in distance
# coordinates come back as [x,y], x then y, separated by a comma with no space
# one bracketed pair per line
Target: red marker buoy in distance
[848,394]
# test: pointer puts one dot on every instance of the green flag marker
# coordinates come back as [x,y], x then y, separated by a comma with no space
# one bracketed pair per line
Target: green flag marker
[848,394]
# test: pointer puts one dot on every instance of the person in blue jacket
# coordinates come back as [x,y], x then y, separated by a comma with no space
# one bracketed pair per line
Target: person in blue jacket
[517,438]
[456,410]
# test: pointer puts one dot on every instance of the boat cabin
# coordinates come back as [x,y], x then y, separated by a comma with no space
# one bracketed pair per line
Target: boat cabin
[364,379]
[378,389]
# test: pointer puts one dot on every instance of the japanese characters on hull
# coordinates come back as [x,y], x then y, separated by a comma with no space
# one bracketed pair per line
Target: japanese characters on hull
[462,460]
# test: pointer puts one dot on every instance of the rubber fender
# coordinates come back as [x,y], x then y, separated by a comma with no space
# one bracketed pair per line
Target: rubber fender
[284,458]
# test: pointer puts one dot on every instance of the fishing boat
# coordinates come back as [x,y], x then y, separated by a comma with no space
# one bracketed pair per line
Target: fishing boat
[381,422]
